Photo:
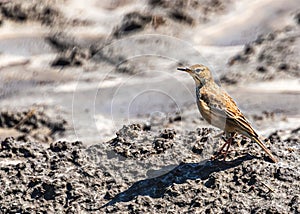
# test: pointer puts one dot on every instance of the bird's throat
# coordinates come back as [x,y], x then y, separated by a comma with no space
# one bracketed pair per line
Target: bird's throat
[200,82]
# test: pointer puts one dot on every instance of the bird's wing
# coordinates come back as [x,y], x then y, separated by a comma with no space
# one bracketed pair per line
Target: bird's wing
[223,106]
[234,113]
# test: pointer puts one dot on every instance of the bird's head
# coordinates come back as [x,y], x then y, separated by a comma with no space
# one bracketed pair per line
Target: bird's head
[200,73]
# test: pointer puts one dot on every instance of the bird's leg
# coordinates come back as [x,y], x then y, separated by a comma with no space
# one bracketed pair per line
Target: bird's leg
[223,146]
[220,151]
[227,143]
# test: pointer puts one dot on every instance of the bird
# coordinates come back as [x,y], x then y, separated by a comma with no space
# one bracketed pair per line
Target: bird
[220,110]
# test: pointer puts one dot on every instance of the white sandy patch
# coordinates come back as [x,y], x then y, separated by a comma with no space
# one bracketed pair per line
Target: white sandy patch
[7,60]
[76,86]
[110,83]
[289,123]
[105,126]
[276,86]
[68,87]
[10,29]
[86,86]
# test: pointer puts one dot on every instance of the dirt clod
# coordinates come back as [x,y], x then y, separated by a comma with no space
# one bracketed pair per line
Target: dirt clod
[272,54]
[31,125]
[131,22]
[131,141]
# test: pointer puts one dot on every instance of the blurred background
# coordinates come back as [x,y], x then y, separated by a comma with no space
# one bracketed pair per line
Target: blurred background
[80,70]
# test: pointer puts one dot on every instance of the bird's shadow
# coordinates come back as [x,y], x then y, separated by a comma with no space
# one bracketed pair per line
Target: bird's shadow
[156,187]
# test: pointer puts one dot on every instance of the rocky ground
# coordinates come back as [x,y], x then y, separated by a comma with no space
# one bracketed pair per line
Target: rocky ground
[69,177]
[31,125]
[94,117]
[271,56]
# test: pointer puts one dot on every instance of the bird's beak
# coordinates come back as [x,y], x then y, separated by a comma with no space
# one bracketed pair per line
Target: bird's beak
[186,69]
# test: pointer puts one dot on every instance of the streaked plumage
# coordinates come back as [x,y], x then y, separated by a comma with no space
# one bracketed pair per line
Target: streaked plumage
[219,109]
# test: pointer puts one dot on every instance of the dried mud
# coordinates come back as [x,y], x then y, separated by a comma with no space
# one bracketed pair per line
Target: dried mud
[44,12]
[31,125]
[66,178]
[156,17]
[271,56]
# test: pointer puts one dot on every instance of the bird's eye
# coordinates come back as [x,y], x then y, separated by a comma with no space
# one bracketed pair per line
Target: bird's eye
[198,70]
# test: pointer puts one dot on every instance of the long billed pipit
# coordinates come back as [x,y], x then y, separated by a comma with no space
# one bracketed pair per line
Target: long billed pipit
[219,109]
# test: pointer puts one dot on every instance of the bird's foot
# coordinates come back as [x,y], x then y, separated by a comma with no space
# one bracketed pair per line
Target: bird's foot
[221,152]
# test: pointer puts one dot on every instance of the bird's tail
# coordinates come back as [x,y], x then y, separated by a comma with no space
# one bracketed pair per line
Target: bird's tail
[260,143]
